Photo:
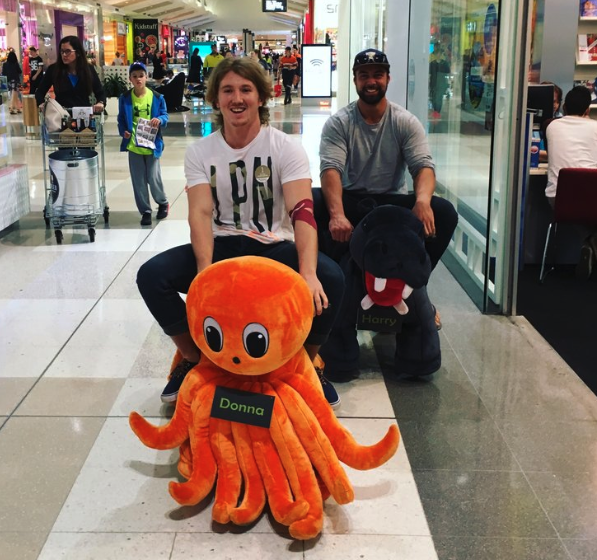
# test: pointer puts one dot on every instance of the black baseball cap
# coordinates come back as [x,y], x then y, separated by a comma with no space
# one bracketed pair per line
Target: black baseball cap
[370,57]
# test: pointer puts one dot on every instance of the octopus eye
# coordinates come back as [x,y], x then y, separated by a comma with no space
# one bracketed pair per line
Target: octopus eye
[255,340]
[213,334]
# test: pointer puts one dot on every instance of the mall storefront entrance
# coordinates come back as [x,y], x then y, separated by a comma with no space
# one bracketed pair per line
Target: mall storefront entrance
[459,67]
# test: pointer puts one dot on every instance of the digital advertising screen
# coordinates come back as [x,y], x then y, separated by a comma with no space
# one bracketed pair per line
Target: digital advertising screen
[316,70]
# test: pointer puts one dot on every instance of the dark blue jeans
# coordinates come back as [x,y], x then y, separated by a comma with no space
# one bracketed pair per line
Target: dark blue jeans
[163,278]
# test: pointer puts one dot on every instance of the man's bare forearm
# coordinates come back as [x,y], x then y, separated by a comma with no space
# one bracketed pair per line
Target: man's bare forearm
[200,222]
[424,185]
[202,240]
[331,186]
[305,239]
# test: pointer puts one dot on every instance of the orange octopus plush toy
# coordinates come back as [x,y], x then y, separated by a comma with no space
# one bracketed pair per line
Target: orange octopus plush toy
[250,317]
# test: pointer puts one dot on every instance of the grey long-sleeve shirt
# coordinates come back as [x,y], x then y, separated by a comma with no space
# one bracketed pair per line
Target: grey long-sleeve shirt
[373,158]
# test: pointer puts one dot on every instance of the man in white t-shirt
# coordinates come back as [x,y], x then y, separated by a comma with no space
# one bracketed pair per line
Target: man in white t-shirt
[249,193]
[572,142]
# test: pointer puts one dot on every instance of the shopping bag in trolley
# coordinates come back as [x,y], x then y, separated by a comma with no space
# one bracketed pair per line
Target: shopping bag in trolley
[54,113]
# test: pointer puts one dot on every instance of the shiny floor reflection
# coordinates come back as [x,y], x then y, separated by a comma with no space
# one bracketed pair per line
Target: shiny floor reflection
[498,451]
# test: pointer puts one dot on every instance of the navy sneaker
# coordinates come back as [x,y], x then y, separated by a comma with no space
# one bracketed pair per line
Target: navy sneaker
[146,219]
[170,392]
[329,391]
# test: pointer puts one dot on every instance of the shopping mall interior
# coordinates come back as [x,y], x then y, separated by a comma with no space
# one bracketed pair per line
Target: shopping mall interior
[498,449]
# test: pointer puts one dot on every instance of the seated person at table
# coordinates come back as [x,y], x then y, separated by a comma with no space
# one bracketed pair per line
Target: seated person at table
[572,142]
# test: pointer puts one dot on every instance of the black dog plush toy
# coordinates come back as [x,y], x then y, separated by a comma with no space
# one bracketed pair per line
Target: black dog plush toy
[387,266]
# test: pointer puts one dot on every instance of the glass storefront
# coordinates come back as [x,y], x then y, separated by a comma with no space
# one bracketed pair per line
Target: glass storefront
[461,78]
[456,103]
[367,24]
[467,105]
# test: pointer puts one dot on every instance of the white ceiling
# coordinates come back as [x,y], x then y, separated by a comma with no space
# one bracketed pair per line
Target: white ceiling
[222,16]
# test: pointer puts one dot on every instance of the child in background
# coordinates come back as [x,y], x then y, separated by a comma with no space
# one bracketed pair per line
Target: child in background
[144,164]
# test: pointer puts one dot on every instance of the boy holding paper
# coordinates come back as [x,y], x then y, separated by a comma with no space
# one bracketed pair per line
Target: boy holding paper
[141,115]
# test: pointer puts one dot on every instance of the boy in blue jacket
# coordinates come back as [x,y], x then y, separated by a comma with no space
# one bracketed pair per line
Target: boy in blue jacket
[141,102]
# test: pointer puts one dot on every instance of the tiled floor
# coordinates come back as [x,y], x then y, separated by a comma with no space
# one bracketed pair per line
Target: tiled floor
[499,452]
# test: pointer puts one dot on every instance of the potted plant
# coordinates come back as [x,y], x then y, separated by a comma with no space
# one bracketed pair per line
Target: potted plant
[115,85]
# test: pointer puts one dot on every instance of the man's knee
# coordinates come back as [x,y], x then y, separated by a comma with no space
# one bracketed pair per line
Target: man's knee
[331,277]
[444,212]
[148,275]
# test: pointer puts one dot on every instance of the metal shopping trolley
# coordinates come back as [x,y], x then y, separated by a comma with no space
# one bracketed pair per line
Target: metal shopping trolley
[75,176]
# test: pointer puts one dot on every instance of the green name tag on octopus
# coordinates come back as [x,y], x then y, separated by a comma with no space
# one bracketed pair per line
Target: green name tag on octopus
[243,407]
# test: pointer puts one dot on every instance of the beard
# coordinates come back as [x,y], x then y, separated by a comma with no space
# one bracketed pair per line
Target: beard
[372,98]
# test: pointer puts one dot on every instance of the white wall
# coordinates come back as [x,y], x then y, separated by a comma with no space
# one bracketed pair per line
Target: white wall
[560,42]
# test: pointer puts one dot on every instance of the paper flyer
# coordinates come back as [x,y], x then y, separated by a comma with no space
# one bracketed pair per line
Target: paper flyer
[145,134]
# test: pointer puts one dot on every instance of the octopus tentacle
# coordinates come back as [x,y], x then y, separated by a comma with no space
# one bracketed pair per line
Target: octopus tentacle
[207,373]
[284,507]
[204,471]
[254,498]
[316,444]
[185,459]
[175,432]
[229,475]
[351,453]
[171,435]
[295,457]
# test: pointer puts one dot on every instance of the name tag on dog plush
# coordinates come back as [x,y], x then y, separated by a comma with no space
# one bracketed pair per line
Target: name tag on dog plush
[379,319]
[243,406]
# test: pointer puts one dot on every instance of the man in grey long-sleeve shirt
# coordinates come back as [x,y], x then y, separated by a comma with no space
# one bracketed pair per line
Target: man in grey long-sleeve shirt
[365,149]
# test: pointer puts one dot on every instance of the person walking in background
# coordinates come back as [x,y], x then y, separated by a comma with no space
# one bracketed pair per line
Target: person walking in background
[275,64]
[142,103]
[117,59]
[74,80]
[268,60]
[195,66]
[158,69]
[256,56]
[288,66]
[297,72]
[211,61]
[12,70]
[36,69]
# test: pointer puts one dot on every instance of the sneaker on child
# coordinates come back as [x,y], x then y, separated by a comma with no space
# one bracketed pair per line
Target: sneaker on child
[146,219]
